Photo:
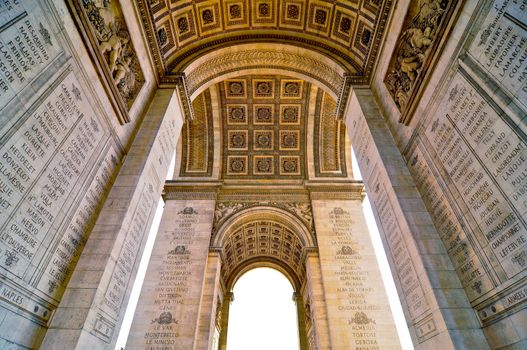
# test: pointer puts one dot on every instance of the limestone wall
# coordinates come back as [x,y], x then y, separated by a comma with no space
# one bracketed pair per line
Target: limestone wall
[465,148]
[167,315]
[358,313]
[61,145]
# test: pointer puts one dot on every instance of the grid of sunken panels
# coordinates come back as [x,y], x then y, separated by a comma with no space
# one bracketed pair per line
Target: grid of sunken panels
[263,238]
[348,25]
[264,120]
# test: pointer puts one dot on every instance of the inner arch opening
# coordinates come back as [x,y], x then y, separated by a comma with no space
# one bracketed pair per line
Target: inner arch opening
[263,313]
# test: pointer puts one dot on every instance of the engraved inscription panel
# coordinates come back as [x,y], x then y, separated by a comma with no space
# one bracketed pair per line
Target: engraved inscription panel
[484,159]
[43,161]
[357,306]
[28,45]
[167,310]
[500,47]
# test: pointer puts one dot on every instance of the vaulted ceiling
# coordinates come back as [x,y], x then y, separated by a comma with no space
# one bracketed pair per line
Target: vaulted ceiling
[348,32]
[264,127]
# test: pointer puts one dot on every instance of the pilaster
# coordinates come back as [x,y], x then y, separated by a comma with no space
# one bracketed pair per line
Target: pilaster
[168,312]
[435,304]
[91,311]
[358,311]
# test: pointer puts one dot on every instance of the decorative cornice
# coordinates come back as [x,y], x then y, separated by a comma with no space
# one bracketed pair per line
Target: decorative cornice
[179,81]
[342,101]
[183,191]
[344,191]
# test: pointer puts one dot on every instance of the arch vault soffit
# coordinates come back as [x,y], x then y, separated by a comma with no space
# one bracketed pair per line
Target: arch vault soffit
[348,32]
[267,236]
[266,127]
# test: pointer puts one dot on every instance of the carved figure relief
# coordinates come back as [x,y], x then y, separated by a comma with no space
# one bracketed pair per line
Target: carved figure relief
[426,20]
[218,314]
[105,31]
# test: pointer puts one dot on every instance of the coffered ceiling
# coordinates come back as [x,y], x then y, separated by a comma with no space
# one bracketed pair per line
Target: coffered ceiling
[267,127]
[347,31]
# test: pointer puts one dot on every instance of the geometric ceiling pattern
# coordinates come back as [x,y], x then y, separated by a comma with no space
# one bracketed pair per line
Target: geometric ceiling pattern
[262,238]
[347,31]
[264,125]
[262,131]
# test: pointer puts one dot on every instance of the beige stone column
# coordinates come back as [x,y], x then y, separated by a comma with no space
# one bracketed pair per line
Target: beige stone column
[168,310]
[301,317]
[209,302]
[358,311]
[435,304]
[318,335]
[91,311]
[227,300]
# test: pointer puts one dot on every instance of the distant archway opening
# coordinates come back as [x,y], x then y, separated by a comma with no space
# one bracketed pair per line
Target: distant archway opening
[263,313]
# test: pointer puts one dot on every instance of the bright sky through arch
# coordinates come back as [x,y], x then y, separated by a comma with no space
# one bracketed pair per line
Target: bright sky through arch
[263,313]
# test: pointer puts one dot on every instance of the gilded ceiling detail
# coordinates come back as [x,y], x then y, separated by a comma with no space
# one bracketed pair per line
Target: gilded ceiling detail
[263,120]
[348,31]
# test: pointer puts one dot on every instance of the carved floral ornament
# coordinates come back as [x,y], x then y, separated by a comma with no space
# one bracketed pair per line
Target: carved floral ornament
[224,210]
[424,25]
[204,71]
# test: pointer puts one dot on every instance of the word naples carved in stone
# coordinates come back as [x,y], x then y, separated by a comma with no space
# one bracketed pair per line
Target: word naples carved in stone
[108,40]
[417,45]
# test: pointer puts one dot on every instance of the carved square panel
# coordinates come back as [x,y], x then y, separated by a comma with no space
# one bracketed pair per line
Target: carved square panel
[263,88]
[263,165]
[263,114]
[292,13]
[237,165]
[158,6]
[185,26]
[235,13]
[291,88]
[290,140]
[237,140]
[371,6]
[209,17]
[263,140]
[319,17]
[289,165]
[235,88]
[363,38]
[290,114]
[343,26]
[264,12]
[237,114]
[165,38]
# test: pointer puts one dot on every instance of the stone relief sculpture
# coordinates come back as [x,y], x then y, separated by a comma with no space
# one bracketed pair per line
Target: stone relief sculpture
[425,21]
[225,209]
[361,318]
[218,317]
[107,35]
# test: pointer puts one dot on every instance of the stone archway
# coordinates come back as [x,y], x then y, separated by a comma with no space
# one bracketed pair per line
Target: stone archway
[263,237]
[338,290]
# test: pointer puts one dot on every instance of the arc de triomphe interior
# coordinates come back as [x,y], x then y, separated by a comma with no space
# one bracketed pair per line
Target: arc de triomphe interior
[261,101]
